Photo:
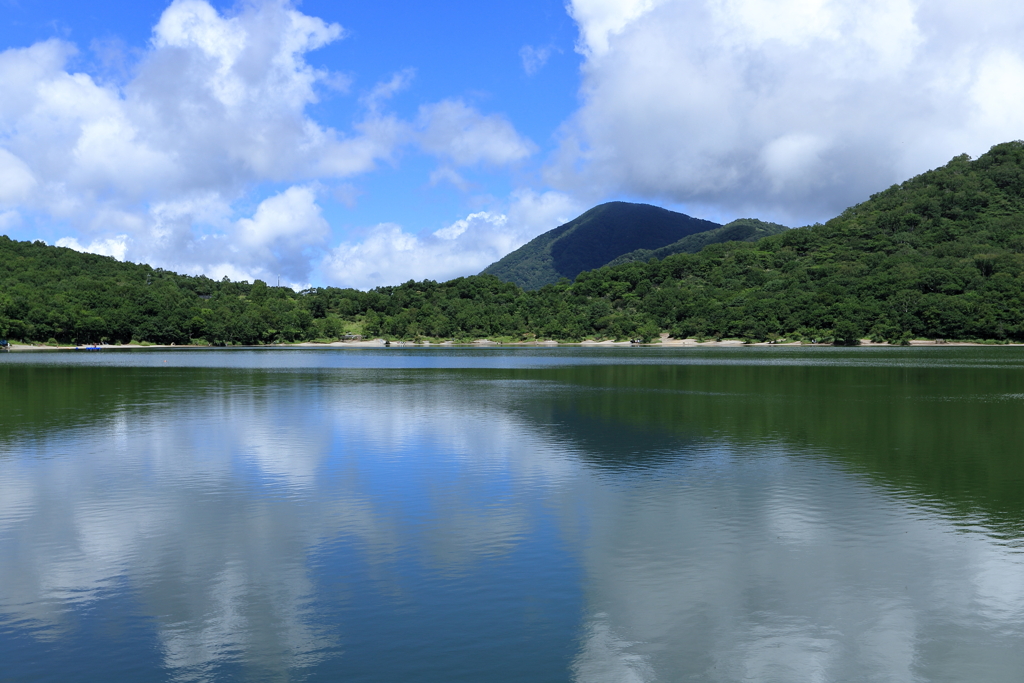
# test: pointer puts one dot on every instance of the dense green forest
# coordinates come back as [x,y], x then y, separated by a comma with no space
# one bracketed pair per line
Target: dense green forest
[740,230]
[60,295]
[939,256]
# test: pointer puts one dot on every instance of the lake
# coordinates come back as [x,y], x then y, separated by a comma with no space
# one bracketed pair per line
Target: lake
[570,514]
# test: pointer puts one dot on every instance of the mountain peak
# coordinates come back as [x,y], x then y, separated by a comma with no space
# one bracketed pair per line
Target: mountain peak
[593,239]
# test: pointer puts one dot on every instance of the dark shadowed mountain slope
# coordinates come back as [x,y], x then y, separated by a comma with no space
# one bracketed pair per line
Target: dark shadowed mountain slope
[740,230]
[592,240]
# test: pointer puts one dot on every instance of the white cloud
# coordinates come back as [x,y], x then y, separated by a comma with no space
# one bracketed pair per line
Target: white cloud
[16,180]
[451,129]
[283,228]
[446,174]
[788,109]
[998,91]
[599,20]
[538,212]
[534,58]
[216,106]
[285,232]
[159,167]
[390,255]
[217,103]
[384,91]
[112,246]
[792,158]
[459,227]
[291,216]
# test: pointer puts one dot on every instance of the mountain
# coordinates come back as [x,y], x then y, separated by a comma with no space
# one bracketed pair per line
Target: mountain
[938,256]
[740,230]
[592,240]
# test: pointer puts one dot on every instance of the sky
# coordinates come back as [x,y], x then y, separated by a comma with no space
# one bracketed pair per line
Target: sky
[364,144]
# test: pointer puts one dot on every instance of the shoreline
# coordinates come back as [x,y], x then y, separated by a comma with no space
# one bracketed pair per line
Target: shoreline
[663,342]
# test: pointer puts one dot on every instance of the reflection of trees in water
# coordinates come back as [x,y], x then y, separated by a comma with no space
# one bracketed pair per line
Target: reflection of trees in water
[601,442]
[946,436]
[747,562]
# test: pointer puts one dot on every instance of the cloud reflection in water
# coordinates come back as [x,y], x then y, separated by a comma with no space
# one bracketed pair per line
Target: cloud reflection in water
[289,522]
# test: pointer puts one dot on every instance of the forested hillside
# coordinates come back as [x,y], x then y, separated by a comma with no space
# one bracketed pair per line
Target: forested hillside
[592,240]
[740,230]
[939,256]
[53,293]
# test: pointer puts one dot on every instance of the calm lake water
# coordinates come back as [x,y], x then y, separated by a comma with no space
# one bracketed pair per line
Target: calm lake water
[591,515]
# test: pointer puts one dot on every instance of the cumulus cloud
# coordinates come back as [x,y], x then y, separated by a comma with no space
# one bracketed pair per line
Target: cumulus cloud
[112,246]
[452,129]
[216,107]
[16,180]
[282,229]
[787,109]
[279,240]
[218,102]
[599,20]
[391,255]
[158,167]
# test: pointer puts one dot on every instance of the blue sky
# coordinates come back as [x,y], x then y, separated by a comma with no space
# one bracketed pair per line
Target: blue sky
[364,144]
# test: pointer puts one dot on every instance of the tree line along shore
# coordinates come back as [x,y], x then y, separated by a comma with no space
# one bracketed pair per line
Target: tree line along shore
[938,256]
